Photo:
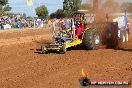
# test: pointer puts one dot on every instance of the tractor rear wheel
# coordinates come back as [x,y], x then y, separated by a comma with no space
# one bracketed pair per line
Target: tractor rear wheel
[91,39]
[42,49]
[64,49]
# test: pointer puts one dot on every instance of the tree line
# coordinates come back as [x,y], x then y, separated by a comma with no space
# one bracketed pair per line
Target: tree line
[71,6]
[109,6]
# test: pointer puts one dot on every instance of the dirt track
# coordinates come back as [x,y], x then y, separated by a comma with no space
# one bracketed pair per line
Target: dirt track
[20,67]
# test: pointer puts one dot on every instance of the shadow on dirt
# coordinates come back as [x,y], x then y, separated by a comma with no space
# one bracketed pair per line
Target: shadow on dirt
[79,47]
[39,51]
[125,49]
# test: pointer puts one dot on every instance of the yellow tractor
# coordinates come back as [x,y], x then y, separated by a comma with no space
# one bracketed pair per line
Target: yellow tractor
[87,34]
[78,34]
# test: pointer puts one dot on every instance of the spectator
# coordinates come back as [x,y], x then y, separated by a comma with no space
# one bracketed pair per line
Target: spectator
[1,24]
[53,28]
[127,32]
[7,25]
[20,25]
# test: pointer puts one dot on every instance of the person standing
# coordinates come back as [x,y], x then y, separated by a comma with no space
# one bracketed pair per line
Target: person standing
[0,25]
[20,25]
[73,27]
[127,32]
[53,28]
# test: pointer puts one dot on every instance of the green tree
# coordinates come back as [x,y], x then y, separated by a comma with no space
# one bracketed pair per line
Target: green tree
[4,7]
[71,6]
[3,2]
[42,11]
[24,15]
[29,17]
[126,6]
[58,14]
[7,8]
[53,15]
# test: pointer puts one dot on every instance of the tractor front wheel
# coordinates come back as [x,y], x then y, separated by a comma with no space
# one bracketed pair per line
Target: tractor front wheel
[42,49]
[64,49]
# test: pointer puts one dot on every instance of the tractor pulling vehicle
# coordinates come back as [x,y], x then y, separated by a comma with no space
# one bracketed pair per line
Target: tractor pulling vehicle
[81,35]
[89,34]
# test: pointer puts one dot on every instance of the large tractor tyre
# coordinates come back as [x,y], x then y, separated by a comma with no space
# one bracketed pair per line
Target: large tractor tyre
[64,49]
[92,39]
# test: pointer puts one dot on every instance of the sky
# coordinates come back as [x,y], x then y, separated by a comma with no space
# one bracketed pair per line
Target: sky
[20,6]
